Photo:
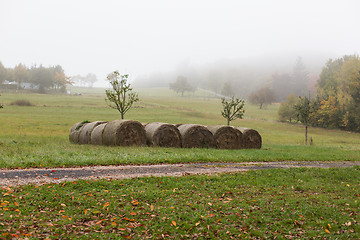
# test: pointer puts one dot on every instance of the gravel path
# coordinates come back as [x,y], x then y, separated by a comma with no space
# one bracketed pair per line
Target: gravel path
[57,175]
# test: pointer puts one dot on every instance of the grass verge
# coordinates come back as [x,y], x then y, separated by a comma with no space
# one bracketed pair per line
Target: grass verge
[58,152]
[293,203]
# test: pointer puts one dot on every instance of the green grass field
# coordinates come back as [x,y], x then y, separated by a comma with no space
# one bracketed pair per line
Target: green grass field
[37,136]
[275,203]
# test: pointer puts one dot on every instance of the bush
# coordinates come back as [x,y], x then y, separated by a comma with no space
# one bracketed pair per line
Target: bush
[22,102]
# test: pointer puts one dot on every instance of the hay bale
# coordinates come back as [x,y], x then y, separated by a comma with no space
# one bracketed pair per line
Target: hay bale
[75,131]
[162,135]
[178,124]
[85,133]
[251,138]
[196,136]
[124,133]
[96,134]
[226,137]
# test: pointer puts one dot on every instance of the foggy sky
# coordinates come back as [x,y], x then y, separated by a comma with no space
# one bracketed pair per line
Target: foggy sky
[141,36]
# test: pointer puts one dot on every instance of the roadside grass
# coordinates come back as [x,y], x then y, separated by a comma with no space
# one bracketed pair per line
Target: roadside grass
[49,152]
[275,203]
[38,135]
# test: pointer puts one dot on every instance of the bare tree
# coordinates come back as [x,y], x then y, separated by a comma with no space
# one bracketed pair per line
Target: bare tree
[120,97]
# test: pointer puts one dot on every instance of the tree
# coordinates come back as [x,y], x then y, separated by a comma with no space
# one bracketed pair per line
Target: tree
[227,89]
[262,97]
[21,74]
[3,73]
[232,109]
[120,97]
[90,78]
[281,85]
[181,85]
[286,110]
[300,78]
[303,113]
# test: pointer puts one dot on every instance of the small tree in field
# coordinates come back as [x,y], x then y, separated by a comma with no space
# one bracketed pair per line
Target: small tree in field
[120,97]
[303,112]
[232,109]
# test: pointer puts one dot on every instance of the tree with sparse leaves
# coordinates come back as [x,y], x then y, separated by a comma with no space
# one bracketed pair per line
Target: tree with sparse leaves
[120,97]
[303,109]
[232,109]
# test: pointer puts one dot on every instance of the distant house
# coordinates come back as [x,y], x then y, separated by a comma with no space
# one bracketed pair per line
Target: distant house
[25,85]
[29,86]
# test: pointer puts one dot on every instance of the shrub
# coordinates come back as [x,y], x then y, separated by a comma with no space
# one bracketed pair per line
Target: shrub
[22,102]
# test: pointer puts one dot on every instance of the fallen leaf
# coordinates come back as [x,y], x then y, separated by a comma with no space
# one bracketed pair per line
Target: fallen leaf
[133,213]
[196,224]
[327,231]
[348,224]
[173,223]
[85,211]
[151,207]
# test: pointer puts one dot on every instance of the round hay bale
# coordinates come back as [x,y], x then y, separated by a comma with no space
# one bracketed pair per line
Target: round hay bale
[226,137]
[162,135]
[75,132]
[178,124]
[84,137]
[96,134]
[251,138]
[196,136]
[124,133]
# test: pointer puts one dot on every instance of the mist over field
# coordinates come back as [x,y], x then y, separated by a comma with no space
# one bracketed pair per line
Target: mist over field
[240,42]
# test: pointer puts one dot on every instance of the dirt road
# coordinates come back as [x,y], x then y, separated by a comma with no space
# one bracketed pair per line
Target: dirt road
[57,175]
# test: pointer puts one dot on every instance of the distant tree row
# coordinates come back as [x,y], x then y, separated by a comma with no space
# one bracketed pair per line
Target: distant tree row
[40,78]
[337,104]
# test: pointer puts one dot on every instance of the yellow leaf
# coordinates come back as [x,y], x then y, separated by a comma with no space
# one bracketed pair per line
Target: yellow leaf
[113,223]
[151,207]
[63,205]
[196,224]
[327,231]
[16,204]
[134,202]
[173,223]
[106,204]
[210,204]
[329,226]
[85,211]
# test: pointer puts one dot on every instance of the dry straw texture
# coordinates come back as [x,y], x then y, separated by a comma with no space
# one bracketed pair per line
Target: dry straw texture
[196,136]
[251,137]
[124,133]
[75,132]
[85,133]
[226,137]
[162,135]
[96,134]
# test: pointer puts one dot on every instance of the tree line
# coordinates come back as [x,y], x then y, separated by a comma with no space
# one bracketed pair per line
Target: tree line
[337,100]
[40,78]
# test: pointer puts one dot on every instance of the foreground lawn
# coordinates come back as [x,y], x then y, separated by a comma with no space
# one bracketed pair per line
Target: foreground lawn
[292,203]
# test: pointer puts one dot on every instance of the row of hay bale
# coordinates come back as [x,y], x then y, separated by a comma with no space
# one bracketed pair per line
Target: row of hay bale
[133,133]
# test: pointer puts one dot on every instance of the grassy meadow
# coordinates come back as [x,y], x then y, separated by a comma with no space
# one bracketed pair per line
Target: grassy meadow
[37,136]
[275,203]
